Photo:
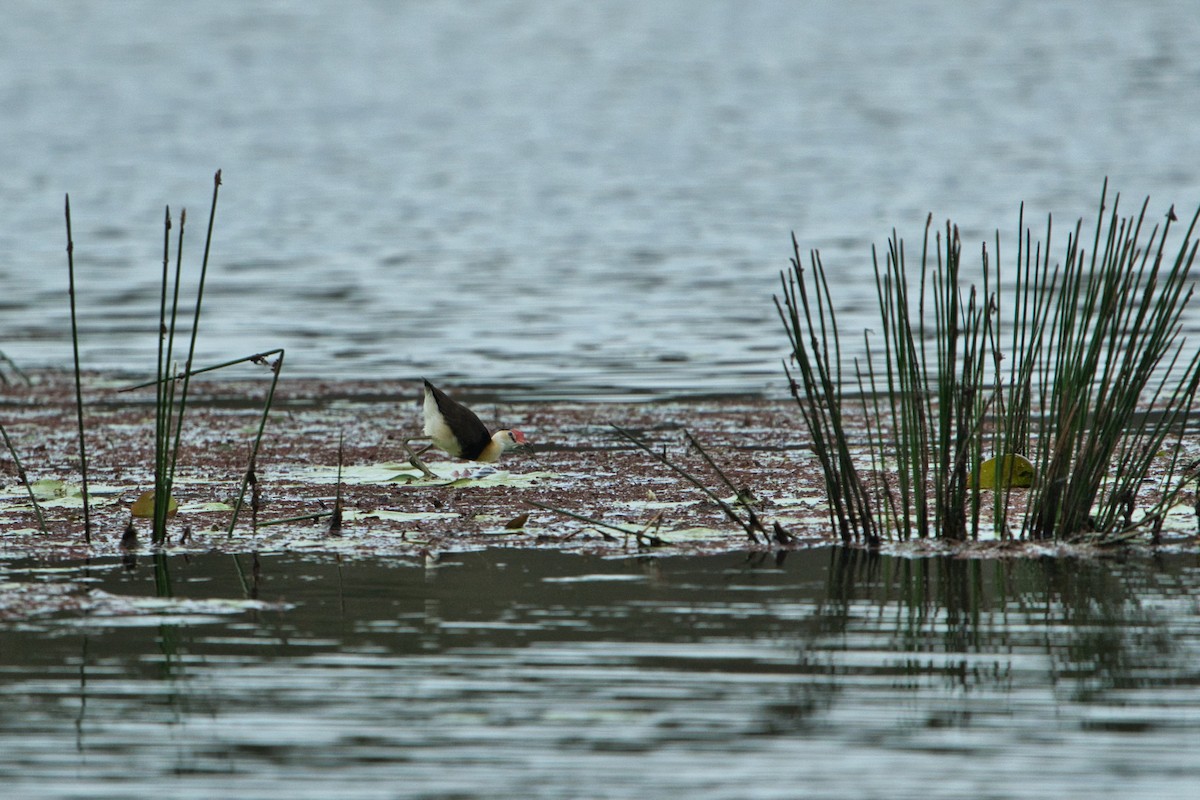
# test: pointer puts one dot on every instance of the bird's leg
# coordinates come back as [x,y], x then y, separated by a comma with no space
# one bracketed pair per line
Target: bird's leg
[415,458]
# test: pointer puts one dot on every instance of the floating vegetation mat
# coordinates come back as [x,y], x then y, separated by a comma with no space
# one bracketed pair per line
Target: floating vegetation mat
[303,481]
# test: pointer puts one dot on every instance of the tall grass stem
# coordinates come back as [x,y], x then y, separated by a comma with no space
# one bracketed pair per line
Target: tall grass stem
[83,465]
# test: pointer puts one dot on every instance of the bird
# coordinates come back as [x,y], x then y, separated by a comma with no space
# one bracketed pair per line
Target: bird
[456,429]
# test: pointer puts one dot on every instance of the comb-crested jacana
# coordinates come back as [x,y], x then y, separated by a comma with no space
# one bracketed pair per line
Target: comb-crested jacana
[456,429]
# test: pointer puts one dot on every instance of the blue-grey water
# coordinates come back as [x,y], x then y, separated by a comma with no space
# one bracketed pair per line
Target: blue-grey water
[527,674]
[586,199]
[575,198]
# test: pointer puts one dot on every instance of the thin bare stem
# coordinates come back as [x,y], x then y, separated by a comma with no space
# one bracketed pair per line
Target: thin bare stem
[24,479]
[652,541]
[729,512]
[276,367]
[87,516]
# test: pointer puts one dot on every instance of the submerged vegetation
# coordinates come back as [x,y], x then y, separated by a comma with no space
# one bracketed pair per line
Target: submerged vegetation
[1074,383]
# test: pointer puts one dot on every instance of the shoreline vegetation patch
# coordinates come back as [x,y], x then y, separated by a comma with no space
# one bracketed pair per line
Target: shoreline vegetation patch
[1037,400]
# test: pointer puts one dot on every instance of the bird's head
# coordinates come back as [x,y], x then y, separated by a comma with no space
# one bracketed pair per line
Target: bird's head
[510,439]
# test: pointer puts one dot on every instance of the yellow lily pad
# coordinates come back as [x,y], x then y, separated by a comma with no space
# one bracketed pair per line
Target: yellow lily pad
[1009,471]
[143,507]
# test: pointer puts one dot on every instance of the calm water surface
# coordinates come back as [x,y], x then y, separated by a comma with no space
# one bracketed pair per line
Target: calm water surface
[537,674]
[568,198]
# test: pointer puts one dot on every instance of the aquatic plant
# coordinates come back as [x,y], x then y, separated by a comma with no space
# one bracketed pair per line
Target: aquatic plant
[83,465]
[751,525]
[1086,386]
[643,537]
[166,454]
[16,370]
[169,411]
[23,478]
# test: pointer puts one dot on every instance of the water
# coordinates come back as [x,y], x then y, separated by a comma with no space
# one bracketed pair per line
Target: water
[522,674]
[572,198]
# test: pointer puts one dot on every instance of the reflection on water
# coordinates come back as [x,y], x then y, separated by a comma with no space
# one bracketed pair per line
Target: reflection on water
[829,673]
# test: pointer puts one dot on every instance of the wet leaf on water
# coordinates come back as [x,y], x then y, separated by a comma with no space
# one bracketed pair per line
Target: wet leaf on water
[143,507]
[403,473]
[815,501]
[194,508]
[355,514]
[48,489]
[502,478]
[652,505]
[517,522]
[1012,470]
[697,534]
[20,534]
[51,493]
[356,474]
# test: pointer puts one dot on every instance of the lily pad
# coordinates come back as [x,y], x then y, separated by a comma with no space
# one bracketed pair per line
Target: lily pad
[356,474]
[51,493]
[1009,471]
[48,489]
[143,507]
[502,478]
[354,514]
[655,505]
[200,507]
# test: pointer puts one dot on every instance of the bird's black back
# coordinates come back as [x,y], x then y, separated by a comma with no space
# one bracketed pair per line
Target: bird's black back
[469,430]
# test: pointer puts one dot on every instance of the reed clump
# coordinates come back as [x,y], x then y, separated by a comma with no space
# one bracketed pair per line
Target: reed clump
[172,382]
[1075,372]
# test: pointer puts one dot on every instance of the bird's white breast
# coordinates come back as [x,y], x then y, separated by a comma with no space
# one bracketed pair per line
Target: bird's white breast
[436,427]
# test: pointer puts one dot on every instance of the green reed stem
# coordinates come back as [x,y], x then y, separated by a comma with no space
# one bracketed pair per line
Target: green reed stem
[811,325]
[256,358]
[187,371]
[1097,380]
[1111,413]
[165,388]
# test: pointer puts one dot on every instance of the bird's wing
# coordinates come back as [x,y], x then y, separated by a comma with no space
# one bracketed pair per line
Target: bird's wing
[458,425]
